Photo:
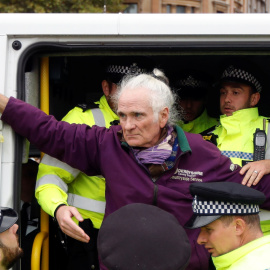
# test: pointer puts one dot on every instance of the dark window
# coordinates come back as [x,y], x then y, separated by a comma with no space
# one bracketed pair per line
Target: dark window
[180,9]
[132,8]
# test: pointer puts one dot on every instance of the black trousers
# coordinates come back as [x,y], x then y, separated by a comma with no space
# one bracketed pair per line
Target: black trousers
[83,256]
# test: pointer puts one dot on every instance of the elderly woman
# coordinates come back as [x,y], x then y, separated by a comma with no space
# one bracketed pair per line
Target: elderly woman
[144,160]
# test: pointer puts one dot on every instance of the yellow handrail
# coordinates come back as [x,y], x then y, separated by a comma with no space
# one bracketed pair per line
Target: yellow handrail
[36,250]
[41,241]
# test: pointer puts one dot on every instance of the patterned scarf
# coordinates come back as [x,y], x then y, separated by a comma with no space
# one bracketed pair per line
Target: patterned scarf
[158,153]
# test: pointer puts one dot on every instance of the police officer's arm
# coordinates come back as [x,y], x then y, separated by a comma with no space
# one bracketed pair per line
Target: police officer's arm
[52,185]
[51,191]
[254,171]
[63,215]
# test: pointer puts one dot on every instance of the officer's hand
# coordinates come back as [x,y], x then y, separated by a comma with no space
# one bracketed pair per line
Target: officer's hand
[255,171]
[68,226]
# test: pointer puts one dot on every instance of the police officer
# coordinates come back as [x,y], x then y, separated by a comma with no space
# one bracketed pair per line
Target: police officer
[140,236]
[76,200]
[192,88]
[227,214]
[10,251]
[240,89]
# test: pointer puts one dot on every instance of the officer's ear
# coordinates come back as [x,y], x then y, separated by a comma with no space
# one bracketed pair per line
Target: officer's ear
[240,226]
[105,88]
[254,99]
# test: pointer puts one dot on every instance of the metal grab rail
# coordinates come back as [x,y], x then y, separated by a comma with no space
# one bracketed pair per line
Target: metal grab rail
[41,242]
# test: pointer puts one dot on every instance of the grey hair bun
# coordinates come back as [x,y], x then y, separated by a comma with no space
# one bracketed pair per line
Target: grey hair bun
[160,75]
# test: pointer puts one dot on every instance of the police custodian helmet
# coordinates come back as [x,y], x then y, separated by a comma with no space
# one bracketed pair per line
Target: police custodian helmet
[8,217]
[213,200]
[243,71]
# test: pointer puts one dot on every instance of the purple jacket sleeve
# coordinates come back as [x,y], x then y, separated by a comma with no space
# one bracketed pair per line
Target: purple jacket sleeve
[74,144]
[227,171]
[219,168]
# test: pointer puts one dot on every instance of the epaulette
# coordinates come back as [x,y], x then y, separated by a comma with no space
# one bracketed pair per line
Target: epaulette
[209,136]
[208,131]
[86,107]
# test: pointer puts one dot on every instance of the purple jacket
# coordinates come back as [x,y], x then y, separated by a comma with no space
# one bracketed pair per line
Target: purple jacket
[98,151]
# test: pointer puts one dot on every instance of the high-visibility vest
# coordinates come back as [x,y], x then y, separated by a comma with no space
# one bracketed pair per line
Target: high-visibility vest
[235,134]
[253,255]
[235,140]
[200,124]
[58,183]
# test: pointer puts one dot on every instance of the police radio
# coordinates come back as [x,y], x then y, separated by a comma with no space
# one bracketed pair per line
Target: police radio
[259,144]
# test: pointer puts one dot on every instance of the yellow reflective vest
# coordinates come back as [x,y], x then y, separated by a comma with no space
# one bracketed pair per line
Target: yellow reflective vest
[200,124]
[254,256]
[235,140]
[58,183]
[235,134]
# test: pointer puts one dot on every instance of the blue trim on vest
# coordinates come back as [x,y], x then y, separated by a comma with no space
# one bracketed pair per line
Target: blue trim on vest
[238,154]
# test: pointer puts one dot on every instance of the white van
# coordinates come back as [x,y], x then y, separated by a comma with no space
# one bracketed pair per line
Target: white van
[53,61]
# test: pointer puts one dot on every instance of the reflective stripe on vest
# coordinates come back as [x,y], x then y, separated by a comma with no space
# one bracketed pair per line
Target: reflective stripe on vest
[73,199]
[52,179]
[86,203]
[249,156]
[98,117]
[238,154]
[48,160]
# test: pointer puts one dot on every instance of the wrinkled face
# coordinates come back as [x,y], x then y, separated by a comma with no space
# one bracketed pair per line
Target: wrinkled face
[234,97]
[140,128]
[192,108]
[218,238]
[9,246]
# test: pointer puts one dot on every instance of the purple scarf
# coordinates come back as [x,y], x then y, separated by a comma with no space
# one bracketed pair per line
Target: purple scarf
[158,153]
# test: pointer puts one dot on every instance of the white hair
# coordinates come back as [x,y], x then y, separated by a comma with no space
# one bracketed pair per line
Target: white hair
[160,94]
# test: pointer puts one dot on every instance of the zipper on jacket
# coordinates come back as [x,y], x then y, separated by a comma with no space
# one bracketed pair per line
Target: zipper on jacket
[155,194]
[139,163]
[152,179]
[155,180]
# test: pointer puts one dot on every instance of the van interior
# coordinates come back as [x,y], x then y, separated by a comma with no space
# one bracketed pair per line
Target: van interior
[76,72]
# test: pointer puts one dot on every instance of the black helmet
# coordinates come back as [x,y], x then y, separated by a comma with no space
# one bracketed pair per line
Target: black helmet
[8,217]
